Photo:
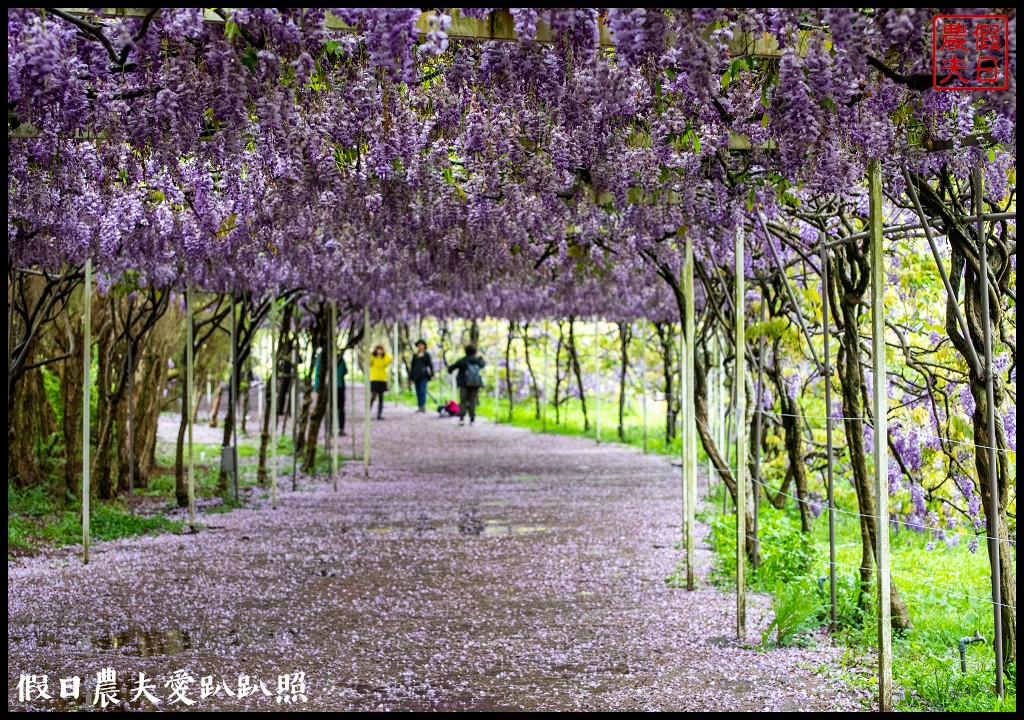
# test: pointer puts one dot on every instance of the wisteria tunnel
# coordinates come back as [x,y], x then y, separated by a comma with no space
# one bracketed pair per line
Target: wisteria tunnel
[511,359]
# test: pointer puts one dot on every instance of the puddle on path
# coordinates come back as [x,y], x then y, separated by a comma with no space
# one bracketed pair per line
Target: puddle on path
[466,525]
[135,641]
[490,528]
[145,643]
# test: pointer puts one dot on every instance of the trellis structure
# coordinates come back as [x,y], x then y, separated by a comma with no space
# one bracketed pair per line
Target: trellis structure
[499,26]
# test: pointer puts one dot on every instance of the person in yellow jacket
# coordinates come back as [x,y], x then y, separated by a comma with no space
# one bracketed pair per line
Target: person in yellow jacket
[380,363]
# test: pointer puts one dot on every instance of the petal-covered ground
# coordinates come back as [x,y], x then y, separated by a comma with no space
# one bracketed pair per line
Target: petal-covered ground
[478,567]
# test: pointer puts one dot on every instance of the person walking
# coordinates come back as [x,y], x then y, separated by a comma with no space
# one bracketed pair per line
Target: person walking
[380,362]
[421,370]
[470,379]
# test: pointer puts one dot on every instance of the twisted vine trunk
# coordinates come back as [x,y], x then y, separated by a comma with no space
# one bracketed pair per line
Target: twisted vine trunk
[558,376]
[965,267]
[853,386]
[667,339]
[793,438]
[529,368]
[574,360]
[624,337]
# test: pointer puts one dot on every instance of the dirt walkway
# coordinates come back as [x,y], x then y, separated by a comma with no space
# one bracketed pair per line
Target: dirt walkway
[477,567]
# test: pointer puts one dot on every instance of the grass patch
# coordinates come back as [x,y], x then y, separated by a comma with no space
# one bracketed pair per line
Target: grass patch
[946,590]
[34,520]
[570,420]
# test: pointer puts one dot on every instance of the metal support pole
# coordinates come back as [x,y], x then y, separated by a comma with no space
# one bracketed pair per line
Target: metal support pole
[723,429]
[295,408]
[712,407]
[274,342]
[131,424]
[878,362]
[689,444]
[209,396]
[333,334]
[86,389]
[825,324]
[741,442]
[994,533]
[394,363]
[597,384]
[366,393]
[233,394]
[544,379]
[353,356]
[190,392]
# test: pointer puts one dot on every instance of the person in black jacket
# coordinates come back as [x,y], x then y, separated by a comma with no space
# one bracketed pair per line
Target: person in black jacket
[469,380]
[421,370]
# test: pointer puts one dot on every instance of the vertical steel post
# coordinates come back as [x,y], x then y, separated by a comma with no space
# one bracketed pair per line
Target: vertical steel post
[544,378]
[333,369]
[353,356]
[994,534]
[366,393]
[274,342]
[131,424]
[394,363]
[689,444]
[712,400]
[597,384]
[190,393]
[233,393]
[741,442]
[826,328]
[86,389]
[881,435]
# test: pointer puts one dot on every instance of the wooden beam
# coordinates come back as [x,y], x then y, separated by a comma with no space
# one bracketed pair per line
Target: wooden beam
[500,26]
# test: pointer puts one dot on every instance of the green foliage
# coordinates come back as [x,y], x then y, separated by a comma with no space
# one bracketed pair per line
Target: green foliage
[799,608]
[678,577]
[33,518]
[946,591]
[51,384]
[785,551]
[107,522]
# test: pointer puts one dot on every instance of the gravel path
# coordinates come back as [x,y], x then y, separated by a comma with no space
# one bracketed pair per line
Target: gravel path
[477,567]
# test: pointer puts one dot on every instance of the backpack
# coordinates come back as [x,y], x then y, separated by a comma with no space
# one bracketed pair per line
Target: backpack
[473,377]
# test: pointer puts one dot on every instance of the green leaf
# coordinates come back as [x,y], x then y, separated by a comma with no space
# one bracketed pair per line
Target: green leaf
[249,59]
